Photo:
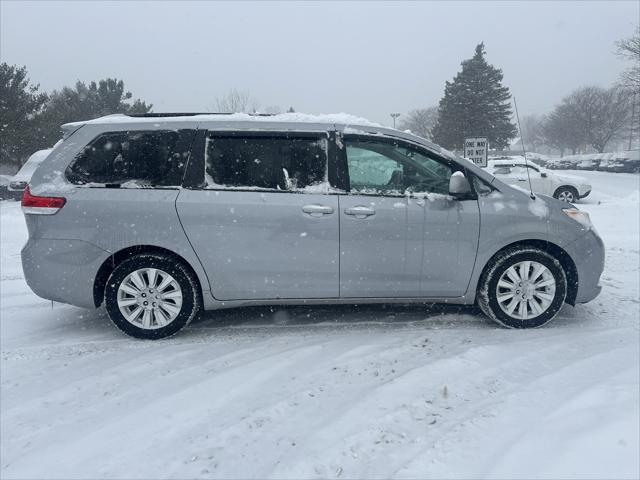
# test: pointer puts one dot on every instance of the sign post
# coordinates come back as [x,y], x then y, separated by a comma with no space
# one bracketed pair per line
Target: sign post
[476,149]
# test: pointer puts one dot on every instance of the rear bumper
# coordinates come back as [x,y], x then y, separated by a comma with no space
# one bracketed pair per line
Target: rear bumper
[62,270]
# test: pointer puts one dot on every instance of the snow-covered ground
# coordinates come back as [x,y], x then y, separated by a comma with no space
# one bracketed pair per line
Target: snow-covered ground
[338,392]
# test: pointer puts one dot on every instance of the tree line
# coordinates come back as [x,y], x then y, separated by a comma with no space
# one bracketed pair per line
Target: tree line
[30,120]
[475,103]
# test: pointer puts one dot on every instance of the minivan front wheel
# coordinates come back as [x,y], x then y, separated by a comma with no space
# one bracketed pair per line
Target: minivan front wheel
[523,287]
[151,296]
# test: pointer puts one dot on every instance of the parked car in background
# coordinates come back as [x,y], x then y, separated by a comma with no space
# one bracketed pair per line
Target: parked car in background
[158,218]
[588,164]
[513,171]
[5,193]
[21,179]
[563,164]
[621,162]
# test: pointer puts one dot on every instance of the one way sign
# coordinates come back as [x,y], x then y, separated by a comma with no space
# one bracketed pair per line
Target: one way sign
[476,149]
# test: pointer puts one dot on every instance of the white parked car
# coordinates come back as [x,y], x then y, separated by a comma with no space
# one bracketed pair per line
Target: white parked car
[513,171]
[21,179]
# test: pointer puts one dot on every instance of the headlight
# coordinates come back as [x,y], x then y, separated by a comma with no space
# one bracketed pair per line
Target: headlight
[579,216]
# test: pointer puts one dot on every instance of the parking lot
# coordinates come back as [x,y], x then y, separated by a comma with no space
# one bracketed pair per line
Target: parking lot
[376,391]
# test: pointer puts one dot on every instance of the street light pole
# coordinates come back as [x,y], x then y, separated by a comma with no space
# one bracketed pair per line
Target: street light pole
[394,116]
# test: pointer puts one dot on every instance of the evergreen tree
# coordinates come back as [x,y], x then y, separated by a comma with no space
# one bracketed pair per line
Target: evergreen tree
[475,104]
[291,110]
[84,102]
[20,103]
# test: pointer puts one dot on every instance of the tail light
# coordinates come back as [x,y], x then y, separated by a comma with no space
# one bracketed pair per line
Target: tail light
[35,205]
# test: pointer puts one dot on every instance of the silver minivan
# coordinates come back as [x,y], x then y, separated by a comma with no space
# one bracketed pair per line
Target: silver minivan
[160,216]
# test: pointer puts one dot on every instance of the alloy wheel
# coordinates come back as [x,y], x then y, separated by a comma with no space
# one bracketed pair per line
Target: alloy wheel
[149,298]
[566,196]
[526,290]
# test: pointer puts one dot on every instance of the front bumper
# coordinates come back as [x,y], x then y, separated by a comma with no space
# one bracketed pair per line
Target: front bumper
[586,194]
[588,254]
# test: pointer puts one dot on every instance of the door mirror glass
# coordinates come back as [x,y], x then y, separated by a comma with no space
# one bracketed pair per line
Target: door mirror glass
[459,185]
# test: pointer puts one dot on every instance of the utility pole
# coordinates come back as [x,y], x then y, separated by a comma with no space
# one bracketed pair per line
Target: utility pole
[394,116]
[633,118]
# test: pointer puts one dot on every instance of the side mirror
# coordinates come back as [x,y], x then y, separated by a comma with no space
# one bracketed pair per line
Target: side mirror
[459,185]
[543,175]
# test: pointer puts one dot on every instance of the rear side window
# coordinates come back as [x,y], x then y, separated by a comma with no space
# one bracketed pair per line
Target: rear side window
[133,158]
[278,163]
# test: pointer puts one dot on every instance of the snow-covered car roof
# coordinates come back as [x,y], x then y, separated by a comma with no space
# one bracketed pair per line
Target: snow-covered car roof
[26,171]
[509,161]
[5,180]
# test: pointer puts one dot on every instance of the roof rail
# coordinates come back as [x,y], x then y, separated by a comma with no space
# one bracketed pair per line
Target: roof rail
[189,114]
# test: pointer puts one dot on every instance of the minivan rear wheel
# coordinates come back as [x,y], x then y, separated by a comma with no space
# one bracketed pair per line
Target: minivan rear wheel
[151,296]
[523,287]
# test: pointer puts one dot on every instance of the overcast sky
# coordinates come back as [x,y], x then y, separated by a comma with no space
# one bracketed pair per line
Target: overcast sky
[368,59]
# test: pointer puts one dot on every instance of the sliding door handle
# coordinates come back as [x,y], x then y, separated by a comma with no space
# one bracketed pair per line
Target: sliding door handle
[317,210]
[360,211]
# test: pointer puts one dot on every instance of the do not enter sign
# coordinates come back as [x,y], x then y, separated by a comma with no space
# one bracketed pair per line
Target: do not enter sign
[476,149]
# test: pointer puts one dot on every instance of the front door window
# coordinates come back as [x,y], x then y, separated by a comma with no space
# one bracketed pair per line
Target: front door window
[384,168]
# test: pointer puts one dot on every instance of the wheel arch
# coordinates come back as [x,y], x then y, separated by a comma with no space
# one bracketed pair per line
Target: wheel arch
[556,251]
[109,265]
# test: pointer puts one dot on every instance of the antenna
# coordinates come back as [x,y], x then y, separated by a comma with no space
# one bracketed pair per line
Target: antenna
[524,151]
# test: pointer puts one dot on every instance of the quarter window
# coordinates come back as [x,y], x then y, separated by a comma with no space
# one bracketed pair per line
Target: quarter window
[388,168]
[277,163]
[133,158]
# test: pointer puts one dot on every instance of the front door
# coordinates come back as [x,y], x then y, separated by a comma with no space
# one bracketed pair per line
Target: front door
[401,234]
[263,227]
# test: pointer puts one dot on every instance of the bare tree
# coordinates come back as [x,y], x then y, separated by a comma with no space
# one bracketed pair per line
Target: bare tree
[629,48]
[532,132]
[560,130]
[236,101]
[589,116]
[603,114]
[420,121]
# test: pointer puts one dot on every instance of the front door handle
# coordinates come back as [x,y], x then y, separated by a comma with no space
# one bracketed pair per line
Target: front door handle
[317,210]
[360,211]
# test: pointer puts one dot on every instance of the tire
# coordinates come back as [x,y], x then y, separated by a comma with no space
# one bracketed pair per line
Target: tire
[171,295]
[566,194]
[541,303]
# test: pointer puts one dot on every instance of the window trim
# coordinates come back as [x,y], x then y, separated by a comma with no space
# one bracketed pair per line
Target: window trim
[197,177]
[342,158]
